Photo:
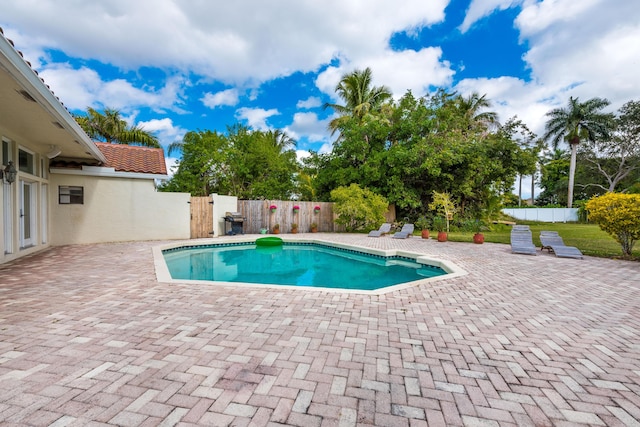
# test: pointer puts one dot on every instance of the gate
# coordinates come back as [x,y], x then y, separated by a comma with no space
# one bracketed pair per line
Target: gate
[201,217]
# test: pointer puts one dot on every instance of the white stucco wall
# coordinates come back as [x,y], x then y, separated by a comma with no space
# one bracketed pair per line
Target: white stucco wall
[115,210]
[222,205]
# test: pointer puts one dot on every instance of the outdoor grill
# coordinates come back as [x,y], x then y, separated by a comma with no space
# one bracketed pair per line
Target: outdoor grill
[234,221]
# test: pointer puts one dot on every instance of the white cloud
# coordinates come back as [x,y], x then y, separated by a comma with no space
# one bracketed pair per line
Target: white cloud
[479,9]
[235,42]
[256,118]
[83,87]
[164,129]
[400,71]
[307,124]
[311,102]
[229,97]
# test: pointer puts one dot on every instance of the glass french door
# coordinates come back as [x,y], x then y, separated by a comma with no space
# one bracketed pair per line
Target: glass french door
[27,214]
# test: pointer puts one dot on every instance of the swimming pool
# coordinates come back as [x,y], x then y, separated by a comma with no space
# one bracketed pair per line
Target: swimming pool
[300,264]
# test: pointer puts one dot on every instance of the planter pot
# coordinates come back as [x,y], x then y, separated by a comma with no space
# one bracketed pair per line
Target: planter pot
[442,236]
[294,231]
[276,231]
[425,234]
[478,238]
[314,230]
[273,211]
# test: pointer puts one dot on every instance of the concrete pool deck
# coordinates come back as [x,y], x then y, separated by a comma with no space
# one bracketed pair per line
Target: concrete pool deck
[89,337]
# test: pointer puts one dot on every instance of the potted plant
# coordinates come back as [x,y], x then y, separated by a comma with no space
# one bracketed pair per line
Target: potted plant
[296,208]
[276,228]
[294,228]
[273,208]
[314,227]
[443,204]
[423,224]
[440,224]
[478,237]
[316,209]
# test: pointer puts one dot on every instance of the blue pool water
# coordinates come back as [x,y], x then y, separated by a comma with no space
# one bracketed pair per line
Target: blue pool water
[313,265]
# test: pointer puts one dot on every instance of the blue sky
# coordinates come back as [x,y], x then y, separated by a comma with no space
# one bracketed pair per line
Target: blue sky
[172,66]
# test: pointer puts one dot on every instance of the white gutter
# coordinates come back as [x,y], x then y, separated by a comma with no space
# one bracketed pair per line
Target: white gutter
[106,172]
[27,78]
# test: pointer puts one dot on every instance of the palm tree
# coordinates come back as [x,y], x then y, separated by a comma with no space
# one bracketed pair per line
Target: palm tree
[360,98]
[472,109]
[109,126]
[578,121]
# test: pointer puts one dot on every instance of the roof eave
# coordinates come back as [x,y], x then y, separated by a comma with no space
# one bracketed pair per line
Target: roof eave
[27,78]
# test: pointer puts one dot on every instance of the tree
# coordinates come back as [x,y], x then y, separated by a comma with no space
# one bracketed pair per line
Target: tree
[245,163]
[618,215]
[358,208]
[578,121]
[109,126]
[617,158]
[359,97]
[472,108]
[442,203]
[554,178]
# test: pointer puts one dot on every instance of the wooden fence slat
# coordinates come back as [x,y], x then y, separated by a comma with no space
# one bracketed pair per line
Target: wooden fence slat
[257,216]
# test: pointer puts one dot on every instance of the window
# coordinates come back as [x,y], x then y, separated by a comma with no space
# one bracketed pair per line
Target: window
[26,162]
[68,195]
[6,152]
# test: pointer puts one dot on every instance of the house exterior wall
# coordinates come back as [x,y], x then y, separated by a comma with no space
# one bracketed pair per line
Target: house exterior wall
[222,205]
[116,209]
[12,235]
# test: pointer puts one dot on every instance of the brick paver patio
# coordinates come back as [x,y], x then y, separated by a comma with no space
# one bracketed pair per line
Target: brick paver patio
[89,337]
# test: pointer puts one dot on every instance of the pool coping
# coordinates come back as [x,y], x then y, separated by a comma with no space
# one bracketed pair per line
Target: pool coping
[163,275]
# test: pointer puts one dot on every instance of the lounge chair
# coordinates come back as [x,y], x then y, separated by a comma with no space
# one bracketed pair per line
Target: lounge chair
[522,241]
[552,242]
[406,231]
[384,229]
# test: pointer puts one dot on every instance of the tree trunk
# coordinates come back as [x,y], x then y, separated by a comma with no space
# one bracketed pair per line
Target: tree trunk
[533,188]
[520,191]
[572,173]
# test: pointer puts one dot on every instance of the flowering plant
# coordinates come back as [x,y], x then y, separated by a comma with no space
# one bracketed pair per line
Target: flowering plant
[296,208]
[317,208]
[273,207]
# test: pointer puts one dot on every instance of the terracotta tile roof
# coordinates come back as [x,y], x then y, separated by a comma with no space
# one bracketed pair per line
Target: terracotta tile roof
[132,158]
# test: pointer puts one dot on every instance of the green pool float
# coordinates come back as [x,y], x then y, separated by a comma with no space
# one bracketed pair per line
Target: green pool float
[269,241]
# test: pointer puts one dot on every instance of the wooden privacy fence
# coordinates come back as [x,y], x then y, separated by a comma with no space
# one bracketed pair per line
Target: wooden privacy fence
[258,216]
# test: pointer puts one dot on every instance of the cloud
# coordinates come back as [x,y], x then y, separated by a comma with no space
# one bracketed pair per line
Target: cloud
[236,42]
[311,102]
[479,9]
[229,97]
[400,71]
[83,87]
[308,125]
[256,118]
[164,129]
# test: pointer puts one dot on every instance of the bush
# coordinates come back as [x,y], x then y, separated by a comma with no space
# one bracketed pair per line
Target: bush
[618,215]
[358,208]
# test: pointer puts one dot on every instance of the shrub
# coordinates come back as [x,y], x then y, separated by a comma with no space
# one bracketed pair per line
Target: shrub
[358,208]
[443,204]
[619,215]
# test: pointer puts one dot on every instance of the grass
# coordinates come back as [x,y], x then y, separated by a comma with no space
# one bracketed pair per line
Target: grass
[586,237]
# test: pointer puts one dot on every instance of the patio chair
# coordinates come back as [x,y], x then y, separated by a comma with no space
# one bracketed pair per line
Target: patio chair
[552,242]
[406,231]
[384,229]
[522,241]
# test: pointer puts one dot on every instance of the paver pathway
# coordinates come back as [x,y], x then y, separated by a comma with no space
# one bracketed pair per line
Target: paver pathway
[88,337]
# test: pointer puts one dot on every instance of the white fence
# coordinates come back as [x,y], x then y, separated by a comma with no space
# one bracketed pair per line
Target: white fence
[543,214]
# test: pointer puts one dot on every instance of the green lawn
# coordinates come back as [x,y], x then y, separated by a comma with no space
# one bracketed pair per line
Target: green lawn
[586,237]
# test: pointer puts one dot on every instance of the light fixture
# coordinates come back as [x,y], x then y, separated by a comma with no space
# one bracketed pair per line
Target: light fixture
[9,173]
[54,152]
